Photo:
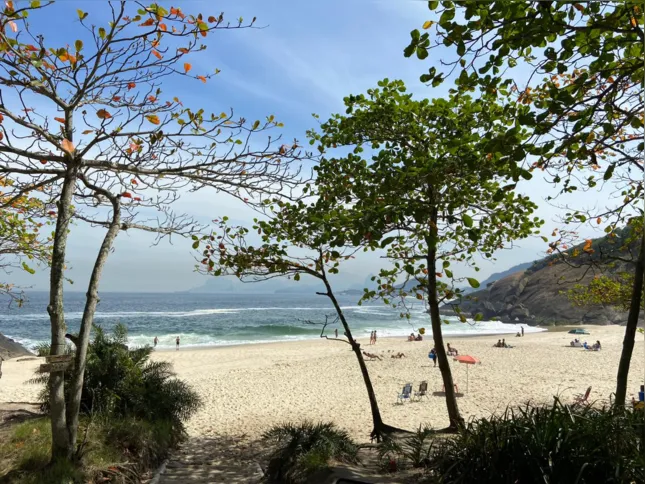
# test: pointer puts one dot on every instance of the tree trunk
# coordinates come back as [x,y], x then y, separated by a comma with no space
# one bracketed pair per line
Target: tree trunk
[61,448]
[380,428]
[92,298]
[630,328]
[455,418]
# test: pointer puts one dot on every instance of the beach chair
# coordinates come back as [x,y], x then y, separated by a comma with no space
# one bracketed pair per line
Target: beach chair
[423,390]
[405,394]
[582,399]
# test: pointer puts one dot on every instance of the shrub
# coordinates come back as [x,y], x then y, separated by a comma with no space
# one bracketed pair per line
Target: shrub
[415,450]
[299,450]
[555,443]
[123,383]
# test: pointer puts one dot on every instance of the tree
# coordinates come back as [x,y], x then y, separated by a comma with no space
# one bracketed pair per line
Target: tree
[294,242]
[21,240]
[430,194]
[586,114]
[109,145]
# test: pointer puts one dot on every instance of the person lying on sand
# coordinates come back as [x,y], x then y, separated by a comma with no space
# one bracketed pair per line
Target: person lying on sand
[411,337]
[370,355]
[398,355]
[418,338]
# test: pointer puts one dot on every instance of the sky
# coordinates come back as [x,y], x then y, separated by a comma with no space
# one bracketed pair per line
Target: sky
[306,57]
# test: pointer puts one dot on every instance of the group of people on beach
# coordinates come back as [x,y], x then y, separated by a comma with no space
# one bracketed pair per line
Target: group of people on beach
[501,343]
[412,337]
[373,337]
[177,341]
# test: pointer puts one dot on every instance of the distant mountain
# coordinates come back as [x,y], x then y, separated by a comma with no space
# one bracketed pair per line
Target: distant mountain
[538,293]
[500,275]
[214,285]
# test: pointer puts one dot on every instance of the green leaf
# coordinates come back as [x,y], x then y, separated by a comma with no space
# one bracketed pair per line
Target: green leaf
[196,244]
[467,220]
[433,4]
[81,14]
[296,277]
[479,317]
[79,45]
[35,3]
[448,273]
[256,125]
[473,282]
[102,33]
[27,268]
[609,172]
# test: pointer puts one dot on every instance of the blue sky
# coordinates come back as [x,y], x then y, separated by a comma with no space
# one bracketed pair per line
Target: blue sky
[304,60]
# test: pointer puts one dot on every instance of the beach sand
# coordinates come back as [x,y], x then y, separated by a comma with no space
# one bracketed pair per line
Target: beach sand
[247,389]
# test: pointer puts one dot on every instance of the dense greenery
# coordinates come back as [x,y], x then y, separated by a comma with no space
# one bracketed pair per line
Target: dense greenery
[114,450]
[412,450]
[430,182]
[546,444]
[299,450]
[124,383]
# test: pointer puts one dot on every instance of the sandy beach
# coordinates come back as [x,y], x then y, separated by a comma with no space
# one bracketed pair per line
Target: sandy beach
[246,389]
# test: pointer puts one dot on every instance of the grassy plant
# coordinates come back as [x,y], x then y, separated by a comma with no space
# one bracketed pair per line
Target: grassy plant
[121,449]
[124,383]
[299,450]
[551,444]
[414,450]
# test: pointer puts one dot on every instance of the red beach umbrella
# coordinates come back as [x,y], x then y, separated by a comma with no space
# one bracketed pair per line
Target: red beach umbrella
[468,360]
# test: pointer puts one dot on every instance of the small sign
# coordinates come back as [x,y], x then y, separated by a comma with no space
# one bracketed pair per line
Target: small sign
[58,358]
[53,367]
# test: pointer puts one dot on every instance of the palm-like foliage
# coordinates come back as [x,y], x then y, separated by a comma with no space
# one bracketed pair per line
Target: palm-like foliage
[301,449]
[541,444]
[124,383]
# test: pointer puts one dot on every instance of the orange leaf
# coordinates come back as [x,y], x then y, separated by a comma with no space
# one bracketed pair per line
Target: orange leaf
[60,120]
[157,54]
[88,131]
[147,23]
[212,19]
[202,78]
[579,7]
[633,22]
[64,57]
[72,59]
[137,199]
[43,162]
[131,85]
[187,67]
[183,50]
[103,114]
[154,119]
[204,33]
[134,181]
[154,43]
[32,48]
[1,136]
[116,98]
[587,245]
[126,195]
[163,27]
[438,274]
[598,220]
[68,146]
[152,99]
[1,118]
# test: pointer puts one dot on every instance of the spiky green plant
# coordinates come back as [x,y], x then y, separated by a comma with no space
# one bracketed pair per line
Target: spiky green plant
[124,383]
[301,449]
[545,444]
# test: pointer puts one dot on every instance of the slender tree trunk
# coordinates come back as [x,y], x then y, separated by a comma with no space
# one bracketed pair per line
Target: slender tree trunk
[630,328]
[380,428]
[92,298]
[455,418]
[61,448]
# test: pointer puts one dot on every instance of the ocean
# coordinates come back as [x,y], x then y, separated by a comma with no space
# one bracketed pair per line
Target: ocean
[228,319]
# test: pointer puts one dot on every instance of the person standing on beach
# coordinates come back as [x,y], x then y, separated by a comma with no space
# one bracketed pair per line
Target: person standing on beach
[336,333]
[522,327]
[177,343]
[374,336]
[156,340]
